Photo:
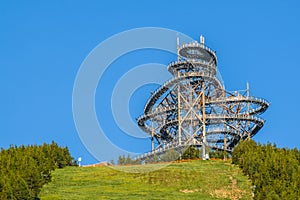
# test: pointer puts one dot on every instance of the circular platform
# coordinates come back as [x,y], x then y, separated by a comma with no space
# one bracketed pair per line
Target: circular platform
[198,52]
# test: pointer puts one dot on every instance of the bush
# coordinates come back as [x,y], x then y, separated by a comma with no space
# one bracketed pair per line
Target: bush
[218,154]
[191,153]
[24,170]
[275,172]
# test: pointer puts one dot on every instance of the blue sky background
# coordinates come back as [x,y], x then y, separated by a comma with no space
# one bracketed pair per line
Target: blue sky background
[42,45]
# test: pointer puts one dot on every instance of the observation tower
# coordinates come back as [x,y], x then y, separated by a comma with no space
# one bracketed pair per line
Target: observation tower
[193,107]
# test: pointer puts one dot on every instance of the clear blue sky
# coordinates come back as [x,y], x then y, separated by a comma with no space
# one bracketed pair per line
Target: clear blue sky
[42,46]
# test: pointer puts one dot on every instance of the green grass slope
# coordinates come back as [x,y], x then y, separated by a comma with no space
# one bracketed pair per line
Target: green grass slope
[188,180]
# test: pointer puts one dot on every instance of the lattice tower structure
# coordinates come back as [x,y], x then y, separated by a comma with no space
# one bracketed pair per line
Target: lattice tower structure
[193,108]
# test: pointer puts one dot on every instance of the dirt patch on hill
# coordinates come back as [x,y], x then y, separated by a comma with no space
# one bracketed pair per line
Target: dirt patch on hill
[231,193]
[190,191]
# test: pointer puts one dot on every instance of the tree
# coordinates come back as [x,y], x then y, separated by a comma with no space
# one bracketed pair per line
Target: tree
[275,172]
[25,169]
[121,160]
[170,155]
[190,153]
[112,162]
[128,160]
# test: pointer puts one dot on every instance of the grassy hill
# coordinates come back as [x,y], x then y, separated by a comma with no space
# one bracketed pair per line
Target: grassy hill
[188,180]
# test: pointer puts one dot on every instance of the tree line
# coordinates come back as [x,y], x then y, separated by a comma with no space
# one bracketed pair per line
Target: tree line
[172,155]
[25,169]
[275,172]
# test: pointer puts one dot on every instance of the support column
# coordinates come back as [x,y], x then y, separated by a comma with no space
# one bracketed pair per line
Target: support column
[203,123]
[225,145]
[178,110]
[152,136]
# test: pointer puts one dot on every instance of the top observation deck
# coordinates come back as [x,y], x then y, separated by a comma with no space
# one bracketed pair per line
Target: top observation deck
[194,57]
[195,51]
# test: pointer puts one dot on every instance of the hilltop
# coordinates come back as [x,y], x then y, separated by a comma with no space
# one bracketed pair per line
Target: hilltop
[214,179]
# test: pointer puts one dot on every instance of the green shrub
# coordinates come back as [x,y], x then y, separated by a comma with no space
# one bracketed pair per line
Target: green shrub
[24,170]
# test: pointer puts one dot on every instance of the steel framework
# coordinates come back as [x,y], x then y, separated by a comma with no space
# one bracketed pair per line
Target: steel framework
[193,107]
